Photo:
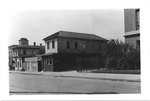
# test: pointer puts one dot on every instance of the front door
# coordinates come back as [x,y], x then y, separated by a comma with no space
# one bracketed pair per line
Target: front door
[48,64]
[39,66]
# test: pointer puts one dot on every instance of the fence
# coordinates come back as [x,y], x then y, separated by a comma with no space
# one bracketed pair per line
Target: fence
[30,66]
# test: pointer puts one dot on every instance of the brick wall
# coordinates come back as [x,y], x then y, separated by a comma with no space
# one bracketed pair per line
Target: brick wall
[130,19]
[62,46]
[132,40]
[28,52]
[131,32]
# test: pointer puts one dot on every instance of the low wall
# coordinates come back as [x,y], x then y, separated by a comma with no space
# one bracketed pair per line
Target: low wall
[30,66]
[118,71]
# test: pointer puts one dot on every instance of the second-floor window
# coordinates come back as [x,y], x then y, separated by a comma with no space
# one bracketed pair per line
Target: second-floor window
[24,52]
[96,45]
[53,44]
[83,45]
[91,45]
[137,19]
[32,52]
[76,45]
[15,53]
[47,45]
[68,44]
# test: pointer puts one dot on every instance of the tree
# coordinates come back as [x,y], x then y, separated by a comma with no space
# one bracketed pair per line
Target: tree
[119,55]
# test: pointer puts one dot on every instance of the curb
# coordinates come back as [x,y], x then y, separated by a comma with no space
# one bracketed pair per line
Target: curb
[122,80]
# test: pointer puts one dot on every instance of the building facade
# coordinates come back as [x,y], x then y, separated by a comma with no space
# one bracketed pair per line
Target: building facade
[132,27]
[18,53]
[71,50]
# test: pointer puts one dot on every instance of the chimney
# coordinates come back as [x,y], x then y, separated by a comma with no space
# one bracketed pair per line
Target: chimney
[34,43]
[40,44]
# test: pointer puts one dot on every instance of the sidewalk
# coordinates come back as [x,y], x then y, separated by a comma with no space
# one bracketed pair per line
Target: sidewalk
[74,74]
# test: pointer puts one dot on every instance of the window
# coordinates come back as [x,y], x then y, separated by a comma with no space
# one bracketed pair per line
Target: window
[53,44]
[15,53]
[32,52]
[96,45]
[83,45]
[49,62]
[24,52]
[138,44]
[47,45]
[68,44]
[19,62]
[76,45]
[91,45]
[137,19]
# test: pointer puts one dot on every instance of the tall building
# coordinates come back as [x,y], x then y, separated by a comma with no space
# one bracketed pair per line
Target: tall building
[132,27]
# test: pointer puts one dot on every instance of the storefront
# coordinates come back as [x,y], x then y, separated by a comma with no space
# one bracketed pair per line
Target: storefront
[66,62]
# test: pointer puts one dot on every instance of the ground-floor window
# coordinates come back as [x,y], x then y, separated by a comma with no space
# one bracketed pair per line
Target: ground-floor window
[138,43]
[49,61]
[20,63]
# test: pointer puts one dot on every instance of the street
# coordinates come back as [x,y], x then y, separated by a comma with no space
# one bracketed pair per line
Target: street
[40,84]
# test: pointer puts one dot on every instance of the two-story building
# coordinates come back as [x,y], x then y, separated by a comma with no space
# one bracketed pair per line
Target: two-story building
[18,53]
[71,50]
[132,27]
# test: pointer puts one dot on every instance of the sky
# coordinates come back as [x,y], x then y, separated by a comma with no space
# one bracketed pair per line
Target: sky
[38,24]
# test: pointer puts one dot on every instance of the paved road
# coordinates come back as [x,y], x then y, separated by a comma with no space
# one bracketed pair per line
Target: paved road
[39,84]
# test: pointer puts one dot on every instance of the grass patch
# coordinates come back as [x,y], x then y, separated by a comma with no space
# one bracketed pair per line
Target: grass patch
[117,71]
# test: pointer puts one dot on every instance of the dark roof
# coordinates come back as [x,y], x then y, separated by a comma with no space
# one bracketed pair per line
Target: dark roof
[47,54]
[25,56]
[13,46]
[23,39]
[76,35]
[26,46]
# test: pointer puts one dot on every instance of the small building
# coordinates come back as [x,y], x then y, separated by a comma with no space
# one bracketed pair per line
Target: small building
[66,50]
[33,64]
[18,53]
[132,27]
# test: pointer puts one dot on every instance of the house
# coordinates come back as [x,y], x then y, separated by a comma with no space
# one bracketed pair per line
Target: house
[132,27]
[18,53]
[66,50]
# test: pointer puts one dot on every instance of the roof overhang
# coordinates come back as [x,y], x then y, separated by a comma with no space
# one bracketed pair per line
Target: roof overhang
[26,47]
[61,34]
[47,54]
[132,33]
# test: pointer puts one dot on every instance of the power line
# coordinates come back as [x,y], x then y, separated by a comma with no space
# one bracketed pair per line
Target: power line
[31,28]
[21,28]
[26,26]
[45,21]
